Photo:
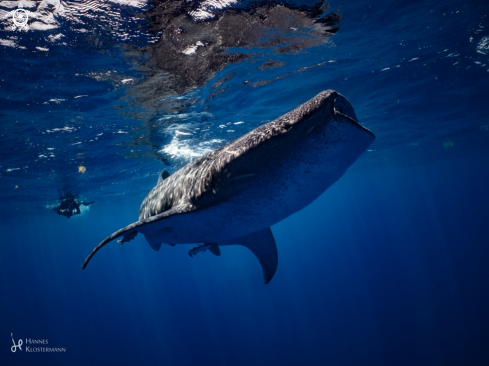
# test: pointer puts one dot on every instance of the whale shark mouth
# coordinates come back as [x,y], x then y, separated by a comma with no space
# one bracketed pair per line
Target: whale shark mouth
[343,106]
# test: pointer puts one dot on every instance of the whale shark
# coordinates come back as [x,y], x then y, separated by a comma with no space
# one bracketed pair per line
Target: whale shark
[234,194]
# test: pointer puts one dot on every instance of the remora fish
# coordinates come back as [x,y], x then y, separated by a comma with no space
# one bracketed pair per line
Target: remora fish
[233,195]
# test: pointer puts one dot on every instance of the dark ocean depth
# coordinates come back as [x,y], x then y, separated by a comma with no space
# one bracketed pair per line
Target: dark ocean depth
[387,268]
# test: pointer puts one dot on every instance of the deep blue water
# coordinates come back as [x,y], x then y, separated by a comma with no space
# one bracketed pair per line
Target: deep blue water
[388,267]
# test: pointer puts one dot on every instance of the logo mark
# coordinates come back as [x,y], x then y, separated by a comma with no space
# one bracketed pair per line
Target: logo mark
[19,17]
[14,347]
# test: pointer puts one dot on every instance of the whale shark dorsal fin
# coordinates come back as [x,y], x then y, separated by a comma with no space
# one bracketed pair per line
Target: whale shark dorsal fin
[163,175]
[262,245]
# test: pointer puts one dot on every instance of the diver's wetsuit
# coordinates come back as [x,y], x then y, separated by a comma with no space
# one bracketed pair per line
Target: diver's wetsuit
[69,207]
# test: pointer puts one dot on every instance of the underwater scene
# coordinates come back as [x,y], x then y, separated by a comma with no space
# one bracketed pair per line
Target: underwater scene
[236,182]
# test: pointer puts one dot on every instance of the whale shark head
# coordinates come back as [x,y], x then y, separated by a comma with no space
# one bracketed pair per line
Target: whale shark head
[320,133]
[326,107]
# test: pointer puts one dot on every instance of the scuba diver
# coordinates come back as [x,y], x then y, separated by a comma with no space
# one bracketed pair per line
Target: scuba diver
[69,205]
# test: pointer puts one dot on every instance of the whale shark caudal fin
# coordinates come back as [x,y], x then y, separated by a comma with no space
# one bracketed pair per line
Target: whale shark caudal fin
[262,245]
[163,175]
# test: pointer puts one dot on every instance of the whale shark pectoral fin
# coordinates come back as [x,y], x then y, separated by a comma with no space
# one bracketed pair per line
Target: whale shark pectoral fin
[163,175]
[214,249]
[155,246]
[133,229]
[262,245]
